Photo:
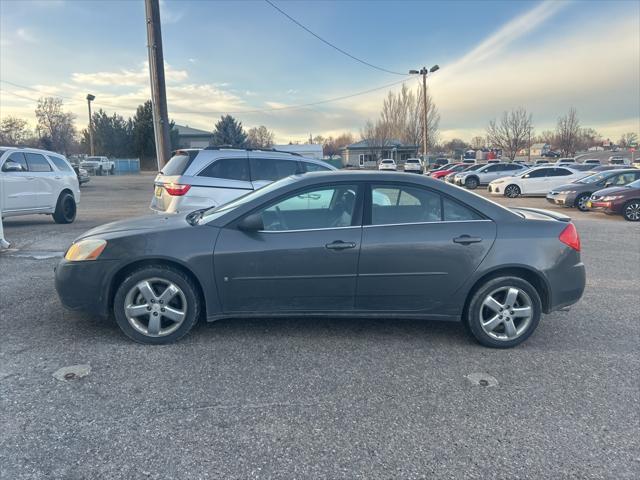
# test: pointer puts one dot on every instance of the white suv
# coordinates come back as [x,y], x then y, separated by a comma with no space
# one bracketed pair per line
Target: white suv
[413,165]
[37,181]
[203,178]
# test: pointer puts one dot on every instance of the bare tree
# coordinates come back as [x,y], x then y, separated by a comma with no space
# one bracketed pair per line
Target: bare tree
[260,137]
[377,136]
[511,133]
[477,142]
[333,146]
[55,127]
[547,136]
[628,139]
[14,131]
[402,113]
[568,133]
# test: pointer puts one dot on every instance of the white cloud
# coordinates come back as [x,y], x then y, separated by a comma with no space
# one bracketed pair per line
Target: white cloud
[127,77]
[168,15]
[25,35]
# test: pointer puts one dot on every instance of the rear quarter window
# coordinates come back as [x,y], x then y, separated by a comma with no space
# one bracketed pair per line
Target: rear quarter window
[314,167]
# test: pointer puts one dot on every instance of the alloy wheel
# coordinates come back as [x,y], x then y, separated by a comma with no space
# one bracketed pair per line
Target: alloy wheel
[581,202]
[155,307]
[512,191]
[506,313]
[632,211]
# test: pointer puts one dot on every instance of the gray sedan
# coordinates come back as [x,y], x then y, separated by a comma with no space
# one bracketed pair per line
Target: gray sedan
[333,244]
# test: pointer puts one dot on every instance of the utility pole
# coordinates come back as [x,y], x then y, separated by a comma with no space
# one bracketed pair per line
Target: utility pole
[158,88]
[90,98]
[425,127]
[529,151]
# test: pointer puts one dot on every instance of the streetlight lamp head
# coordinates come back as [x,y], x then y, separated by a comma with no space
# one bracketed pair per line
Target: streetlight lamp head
[413,72]
[434,68]
[91,97]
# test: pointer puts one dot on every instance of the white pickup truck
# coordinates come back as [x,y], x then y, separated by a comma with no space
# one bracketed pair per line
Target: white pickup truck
[99,165]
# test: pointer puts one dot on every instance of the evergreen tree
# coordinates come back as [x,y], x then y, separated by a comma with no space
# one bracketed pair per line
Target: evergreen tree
[228,131]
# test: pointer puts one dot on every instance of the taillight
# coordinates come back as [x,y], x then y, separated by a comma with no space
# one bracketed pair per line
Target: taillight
[570,237]
[176,190]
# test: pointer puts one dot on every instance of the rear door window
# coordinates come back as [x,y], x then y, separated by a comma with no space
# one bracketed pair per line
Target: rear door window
[227,168]
[61,164]
[37,162]
[271,169]
[392,204]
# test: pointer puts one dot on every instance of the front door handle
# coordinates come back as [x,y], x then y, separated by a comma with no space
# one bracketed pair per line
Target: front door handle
[340,245]
[466,240]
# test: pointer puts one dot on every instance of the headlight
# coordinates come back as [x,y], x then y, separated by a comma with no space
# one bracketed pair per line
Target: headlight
[88,249]
[611,198]
[567,191]
[496,182]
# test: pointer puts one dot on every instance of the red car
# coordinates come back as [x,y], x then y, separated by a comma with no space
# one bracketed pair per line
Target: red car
[447,169]
[623,200]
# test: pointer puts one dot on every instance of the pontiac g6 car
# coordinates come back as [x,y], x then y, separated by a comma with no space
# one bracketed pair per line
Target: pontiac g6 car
[352,244]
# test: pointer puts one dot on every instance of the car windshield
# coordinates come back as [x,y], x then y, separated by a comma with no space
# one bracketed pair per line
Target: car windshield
[473,167]
[93,159]
[215,212]
[594,178]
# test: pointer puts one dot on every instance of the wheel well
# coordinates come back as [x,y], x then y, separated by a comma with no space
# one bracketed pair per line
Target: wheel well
[530,276]
[119,277]
[66,190]
[474,177]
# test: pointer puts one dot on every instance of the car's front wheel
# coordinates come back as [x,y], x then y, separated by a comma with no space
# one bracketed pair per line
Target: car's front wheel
[504,312]
[65,211]
[157,305]
[471,183]
[581,202]
[512,191]
[631,211]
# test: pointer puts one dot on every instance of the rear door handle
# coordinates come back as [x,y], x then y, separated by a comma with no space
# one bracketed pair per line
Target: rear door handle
[466,239]
[340,245]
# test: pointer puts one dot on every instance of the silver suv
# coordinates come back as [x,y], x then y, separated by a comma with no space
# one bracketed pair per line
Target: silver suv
[203,178]
[487,173]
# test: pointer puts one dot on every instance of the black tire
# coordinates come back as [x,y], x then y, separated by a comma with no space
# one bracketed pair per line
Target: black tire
[112,170]
[471,183]
[473,313]
[65,211]
[581,202]
[100,171]
[512,191]
[631,210]
[162,272]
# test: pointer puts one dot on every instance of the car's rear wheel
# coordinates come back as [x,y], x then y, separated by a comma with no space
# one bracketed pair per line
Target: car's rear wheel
[471,183]
[504,312]
[512,191]
[65,211]
[156,305]
[631,210]
[581,202]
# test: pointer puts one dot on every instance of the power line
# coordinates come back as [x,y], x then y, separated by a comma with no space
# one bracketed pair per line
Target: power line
[221,112]
[335,47]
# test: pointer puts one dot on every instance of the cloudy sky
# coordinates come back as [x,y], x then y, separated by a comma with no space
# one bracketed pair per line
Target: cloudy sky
[246,58]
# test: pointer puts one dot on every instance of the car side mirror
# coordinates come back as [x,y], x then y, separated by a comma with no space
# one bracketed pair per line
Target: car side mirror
[11,166]
[251,223]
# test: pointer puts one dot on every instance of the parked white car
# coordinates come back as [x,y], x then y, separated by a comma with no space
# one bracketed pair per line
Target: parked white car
[38,181]
[99,165]
[413,165]
[204,178]
[535,181]
[619,160]
[387,164]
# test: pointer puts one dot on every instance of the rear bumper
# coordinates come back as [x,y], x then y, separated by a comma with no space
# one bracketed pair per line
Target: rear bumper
[566,286]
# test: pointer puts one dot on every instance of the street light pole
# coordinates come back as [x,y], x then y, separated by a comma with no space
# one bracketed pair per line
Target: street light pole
[158,88]
[90,98]
[425,128]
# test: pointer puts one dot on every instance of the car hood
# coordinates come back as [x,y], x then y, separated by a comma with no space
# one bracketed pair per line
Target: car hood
[615,191]
[576,187]
[147,222]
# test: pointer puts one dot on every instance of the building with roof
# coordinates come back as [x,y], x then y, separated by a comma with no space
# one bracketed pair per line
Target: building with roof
[539,149]
[192,137]
[362,154]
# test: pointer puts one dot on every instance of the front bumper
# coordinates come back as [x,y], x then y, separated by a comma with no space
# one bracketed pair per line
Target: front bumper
[563,199]
[495,189]
[85,285]
[606,207]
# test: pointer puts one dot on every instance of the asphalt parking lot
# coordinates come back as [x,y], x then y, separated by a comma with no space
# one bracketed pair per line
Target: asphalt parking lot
[315,398]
